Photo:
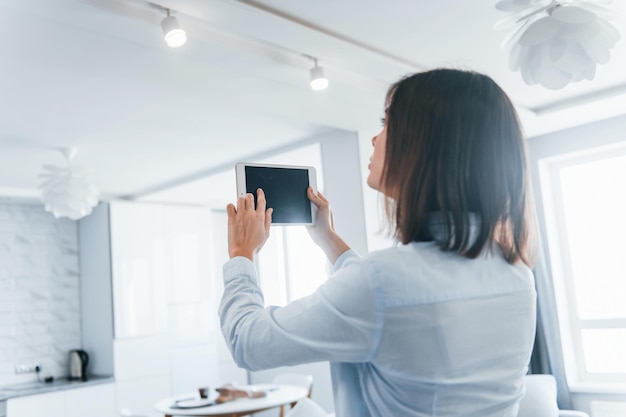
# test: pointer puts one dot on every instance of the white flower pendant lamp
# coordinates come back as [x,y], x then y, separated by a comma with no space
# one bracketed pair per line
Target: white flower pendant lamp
[557,42]
[66,191]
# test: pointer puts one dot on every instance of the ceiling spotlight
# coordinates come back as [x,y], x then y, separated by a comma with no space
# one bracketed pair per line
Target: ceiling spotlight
[174,36]
[318,79]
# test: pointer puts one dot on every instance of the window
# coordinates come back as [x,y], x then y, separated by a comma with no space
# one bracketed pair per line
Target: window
[585,205]
[290,265]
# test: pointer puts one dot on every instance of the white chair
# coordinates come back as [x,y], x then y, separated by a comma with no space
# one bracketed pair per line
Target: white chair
[301,380]
[307,408]
[540,399]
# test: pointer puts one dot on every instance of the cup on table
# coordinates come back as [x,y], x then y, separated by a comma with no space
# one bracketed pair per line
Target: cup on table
[204,392]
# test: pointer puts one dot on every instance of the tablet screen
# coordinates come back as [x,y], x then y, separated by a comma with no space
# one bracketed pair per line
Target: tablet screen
[285,192]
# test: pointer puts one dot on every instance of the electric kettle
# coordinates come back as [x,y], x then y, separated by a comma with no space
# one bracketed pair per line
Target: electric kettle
[78,365]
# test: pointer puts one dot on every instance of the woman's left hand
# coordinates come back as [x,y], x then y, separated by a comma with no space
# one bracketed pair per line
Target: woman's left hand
[248,227]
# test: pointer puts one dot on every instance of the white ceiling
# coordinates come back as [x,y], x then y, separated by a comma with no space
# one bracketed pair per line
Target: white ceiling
[96,75]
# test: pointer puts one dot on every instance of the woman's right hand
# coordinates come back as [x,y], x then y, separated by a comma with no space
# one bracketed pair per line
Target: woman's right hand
[323,232]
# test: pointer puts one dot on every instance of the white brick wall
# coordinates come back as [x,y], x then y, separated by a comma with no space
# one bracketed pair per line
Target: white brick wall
[39,291]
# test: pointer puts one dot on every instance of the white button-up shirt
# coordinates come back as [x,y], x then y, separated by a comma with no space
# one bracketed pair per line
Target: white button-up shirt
[409,331]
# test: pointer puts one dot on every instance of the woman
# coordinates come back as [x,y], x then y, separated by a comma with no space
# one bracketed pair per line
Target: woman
[441,324]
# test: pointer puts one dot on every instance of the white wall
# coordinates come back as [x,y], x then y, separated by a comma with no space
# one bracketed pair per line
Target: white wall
[96,292]
[343,186]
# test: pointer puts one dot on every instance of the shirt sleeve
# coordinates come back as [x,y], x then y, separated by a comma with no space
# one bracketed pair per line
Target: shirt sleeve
[339,322]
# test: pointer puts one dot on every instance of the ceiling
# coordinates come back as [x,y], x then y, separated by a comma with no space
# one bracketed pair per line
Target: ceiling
[96,75]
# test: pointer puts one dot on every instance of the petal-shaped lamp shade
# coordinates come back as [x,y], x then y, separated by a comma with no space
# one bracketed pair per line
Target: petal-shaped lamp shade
[66,192]
[555,43]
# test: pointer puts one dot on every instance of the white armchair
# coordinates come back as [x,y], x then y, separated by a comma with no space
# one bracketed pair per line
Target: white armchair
[540,399]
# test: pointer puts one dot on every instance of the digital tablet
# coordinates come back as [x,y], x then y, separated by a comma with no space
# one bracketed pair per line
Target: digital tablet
[285,189]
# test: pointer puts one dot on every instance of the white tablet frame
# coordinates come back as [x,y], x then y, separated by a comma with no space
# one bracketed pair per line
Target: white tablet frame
[240,173]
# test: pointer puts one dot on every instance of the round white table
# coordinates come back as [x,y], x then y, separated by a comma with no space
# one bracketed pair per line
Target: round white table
[277,395]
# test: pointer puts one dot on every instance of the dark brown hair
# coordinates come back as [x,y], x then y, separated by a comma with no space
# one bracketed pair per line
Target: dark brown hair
[455,146]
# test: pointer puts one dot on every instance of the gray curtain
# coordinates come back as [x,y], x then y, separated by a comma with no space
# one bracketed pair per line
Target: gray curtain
[547,356]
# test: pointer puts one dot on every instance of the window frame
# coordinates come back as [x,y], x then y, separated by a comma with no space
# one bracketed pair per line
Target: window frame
[559,261]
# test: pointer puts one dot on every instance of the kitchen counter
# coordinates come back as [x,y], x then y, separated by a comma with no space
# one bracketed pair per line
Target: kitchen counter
[33,388]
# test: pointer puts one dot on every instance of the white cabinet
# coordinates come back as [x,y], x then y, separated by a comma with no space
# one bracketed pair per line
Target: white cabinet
[142,357]
[139,268]
[142,372]
[161,269]
[49,405]
[89,401]
[138,395]
[92,401]
[166,272]
[166,283]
